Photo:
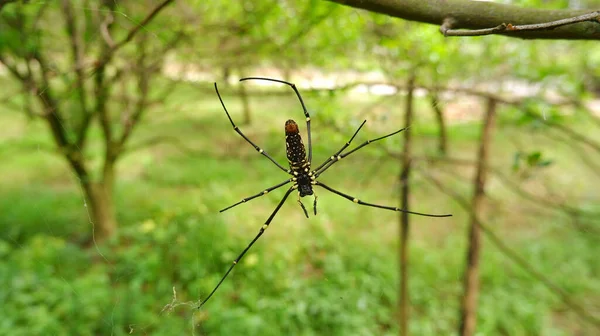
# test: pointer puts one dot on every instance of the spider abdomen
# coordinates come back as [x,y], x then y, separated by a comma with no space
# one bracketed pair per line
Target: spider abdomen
[296,155]
[295,151]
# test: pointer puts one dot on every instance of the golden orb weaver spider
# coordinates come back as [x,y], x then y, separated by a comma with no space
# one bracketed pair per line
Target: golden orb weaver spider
[302,177]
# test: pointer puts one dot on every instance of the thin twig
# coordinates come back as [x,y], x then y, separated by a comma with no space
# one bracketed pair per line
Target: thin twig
[508,27]
[594,16]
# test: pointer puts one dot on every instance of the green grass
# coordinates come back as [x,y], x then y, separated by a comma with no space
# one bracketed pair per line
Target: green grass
[335,273]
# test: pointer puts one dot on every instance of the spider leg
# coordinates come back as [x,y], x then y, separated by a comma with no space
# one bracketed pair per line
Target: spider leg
[302,205]
[339,157]
[235,262]
[235,128]
[306,114]
[357,201]
[334,156]
[315,205]
[262,193]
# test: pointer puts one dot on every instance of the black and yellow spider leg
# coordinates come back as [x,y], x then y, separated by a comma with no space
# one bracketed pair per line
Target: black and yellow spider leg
[237,260]
[339,157]
[357,201]
[302,205]
[306,114]
[235,128]
[262,193]
[304,208]
[334,156]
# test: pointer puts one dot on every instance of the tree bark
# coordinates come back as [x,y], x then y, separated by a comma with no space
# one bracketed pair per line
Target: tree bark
[403,298]
[439,114]
[102,210]
[468,318]
[479,15]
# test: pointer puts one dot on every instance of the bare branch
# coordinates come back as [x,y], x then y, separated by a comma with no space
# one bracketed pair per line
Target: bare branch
[593,17]
[404,223]
[77,53]
[107,55]
[476,32]
[447,31]
[52,116]
[517,259]
[142,73]
[466,14]
[515,187]
[101,87]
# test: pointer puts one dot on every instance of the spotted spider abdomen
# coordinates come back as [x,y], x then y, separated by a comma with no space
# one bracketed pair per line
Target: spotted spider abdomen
[296,153]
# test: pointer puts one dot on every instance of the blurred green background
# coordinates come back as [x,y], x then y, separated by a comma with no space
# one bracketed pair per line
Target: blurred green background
[335,273]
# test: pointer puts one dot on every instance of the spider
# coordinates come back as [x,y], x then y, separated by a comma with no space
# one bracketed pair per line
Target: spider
[303,179]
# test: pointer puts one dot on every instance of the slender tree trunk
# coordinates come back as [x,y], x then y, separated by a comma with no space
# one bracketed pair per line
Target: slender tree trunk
[403,299]
[101,207]
[471,284]
[434,101]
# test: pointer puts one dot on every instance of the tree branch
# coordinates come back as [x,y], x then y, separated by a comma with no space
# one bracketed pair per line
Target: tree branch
[143,85]
[466,14]
[515,187]
[101,91]
[52,116]
[447,25]
[107,55]
[77,53]
[517,259]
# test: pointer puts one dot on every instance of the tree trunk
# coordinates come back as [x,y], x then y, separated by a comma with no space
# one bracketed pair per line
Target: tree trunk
[101,201]
[101,209]
[434,101]
[471,284]
[403,299]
